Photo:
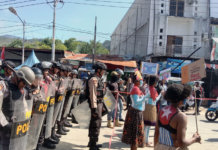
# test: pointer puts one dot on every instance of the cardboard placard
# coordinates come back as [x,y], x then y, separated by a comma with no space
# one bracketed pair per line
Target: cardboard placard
[149,68]
[194,71]
[165,74]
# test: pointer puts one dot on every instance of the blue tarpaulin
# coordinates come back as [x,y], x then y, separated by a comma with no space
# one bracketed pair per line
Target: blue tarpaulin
[31,60]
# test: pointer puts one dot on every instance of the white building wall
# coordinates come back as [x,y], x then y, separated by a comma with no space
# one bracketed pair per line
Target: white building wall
[152,16]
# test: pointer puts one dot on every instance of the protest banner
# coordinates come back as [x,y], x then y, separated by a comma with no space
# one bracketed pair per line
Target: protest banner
[165,74]
[194,71]
[149,68]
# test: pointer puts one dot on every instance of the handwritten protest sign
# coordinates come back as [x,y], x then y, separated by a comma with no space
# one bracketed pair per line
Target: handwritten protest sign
[149,68]
[194,71]
[165,74]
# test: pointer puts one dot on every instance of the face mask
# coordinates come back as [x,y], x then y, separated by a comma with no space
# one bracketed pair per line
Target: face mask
[141,83]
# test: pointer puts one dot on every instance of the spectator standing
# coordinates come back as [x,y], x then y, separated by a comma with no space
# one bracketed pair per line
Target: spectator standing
[199,94]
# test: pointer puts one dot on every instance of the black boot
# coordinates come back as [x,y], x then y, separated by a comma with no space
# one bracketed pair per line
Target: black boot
[65,129]
[67,124]
[53,141]
[93,145]
[74,120]
[53,135]
[60,130]
[48,145]
[38,147]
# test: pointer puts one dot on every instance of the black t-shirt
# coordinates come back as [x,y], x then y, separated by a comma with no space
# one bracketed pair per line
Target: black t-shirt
[113,86]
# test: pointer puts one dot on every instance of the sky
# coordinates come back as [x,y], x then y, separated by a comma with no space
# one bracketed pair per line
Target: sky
[73,18]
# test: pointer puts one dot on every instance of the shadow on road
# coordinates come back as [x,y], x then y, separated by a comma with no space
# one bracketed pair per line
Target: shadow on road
[206,121]
[212,140]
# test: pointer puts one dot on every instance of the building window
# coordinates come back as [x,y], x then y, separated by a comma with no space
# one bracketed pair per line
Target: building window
[162,11]
[195,33]
[162,5]
[161,37]
[177,8]
[174,45]
[196,2]
[160,43]
[196,8]
[194,46]
[161,30]
[195,39]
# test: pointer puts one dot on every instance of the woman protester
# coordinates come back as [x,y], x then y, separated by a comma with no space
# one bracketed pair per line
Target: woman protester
[170,131]
[150,113]
[133,132]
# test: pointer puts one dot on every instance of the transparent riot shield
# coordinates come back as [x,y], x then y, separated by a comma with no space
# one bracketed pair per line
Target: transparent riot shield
[59,98]
[109,100]
[66,80]
[38,116]
[21,120]
[3,120]
[50,109]
[78,87]
[82,113]
[70,100]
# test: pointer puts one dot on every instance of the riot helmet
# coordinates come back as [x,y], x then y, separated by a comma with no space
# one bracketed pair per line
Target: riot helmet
[45,65]
[55,67]
[8,65]
[38,76]
[114,76]
[74,72]
[101,66]
[119,71]
[26,75]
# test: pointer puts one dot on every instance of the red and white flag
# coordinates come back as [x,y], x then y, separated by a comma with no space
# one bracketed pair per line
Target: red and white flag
[212,56]
[3,54]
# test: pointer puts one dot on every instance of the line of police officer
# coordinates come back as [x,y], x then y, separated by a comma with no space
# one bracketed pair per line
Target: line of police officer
[34,100]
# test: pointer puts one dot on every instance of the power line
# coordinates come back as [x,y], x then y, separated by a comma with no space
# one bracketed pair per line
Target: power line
[7,1]
[18,2]
[26,5]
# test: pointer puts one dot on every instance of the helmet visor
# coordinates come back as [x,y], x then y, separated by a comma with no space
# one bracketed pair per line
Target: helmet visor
[37,81]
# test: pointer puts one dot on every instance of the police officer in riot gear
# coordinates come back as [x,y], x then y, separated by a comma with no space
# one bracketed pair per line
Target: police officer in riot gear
[6,66]
[95,92]
[63,122]
[73,75]
[61,129]
[16,108]
[53,72]
[34,90]
[47,142]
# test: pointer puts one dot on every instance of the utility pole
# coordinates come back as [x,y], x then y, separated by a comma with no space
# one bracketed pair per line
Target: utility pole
[23,41]
[53,36]
[94,42]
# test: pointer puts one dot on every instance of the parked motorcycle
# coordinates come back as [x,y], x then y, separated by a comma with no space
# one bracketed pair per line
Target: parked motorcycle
[212,112]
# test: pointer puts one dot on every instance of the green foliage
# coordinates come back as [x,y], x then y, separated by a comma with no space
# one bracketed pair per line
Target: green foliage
[16,43]
[43,46]
[71,44]
[107,44]
[60,47]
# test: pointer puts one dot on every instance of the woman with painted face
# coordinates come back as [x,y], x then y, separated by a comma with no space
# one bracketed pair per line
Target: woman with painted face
[133,132]
[170,131]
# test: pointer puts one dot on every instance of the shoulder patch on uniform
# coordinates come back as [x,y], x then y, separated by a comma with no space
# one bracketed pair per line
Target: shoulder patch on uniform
[1,86]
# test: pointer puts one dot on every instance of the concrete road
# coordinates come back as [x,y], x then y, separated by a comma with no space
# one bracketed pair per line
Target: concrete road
[77,138]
